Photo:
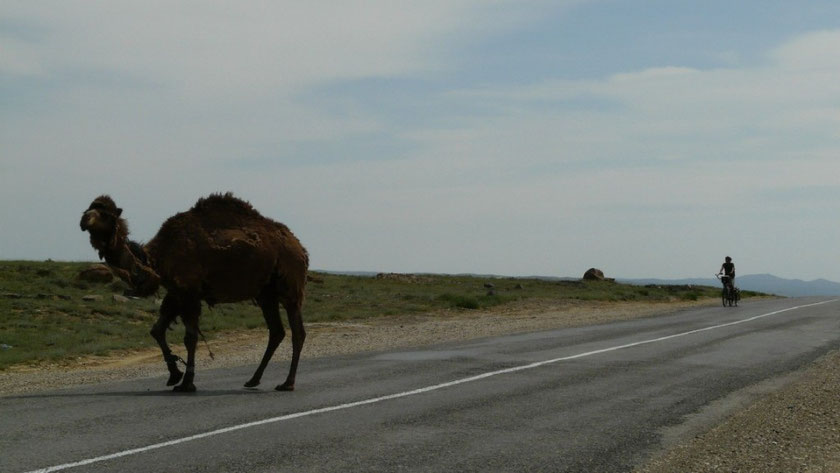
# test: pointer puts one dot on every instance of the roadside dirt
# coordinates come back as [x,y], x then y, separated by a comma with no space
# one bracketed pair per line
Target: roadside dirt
[793,429]
[326,339]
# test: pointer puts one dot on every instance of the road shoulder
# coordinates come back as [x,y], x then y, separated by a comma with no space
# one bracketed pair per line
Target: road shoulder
[794,427]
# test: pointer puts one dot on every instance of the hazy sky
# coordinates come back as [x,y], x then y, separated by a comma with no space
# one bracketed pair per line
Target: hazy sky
[644,138]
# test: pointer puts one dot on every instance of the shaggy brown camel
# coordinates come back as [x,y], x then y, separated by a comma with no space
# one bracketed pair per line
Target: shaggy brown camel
[221,250]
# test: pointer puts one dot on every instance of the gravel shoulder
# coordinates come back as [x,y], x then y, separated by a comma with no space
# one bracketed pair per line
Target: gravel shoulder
[796,427]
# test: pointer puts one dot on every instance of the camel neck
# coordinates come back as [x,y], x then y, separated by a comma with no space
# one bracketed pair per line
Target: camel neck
[130,263]
[119,257]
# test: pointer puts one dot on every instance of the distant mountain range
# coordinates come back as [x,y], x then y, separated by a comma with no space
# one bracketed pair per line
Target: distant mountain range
[766,283]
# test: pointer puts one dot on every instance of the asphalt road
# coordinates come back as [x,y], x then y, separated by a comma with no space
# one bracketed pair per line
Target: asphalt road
[594,398]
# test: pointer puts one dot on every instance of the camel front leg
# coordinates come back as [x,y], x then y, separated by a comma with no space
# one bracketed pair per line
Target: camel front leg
[168,312]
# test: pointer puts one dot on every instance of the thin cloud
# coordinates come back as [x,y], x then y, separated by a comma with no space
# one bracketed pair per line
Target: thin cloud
[536,172]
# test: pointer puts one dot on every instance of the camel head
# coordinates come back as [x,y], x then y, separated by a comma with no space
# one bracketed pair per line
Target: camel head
[109,235]
[102,220]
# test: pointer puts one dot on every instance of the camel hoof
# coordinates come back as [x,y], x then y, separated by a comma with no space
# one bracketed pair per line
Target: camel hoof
[253,383]
[174,378]
[184,388]
[285,387]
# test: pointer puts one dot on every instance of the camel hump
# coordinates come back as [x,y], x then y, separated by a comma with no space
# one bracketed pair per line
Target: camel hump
[224,203]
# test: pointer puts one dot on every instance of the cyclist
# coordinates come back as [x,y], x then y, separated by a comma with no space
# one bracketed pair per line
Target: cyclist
[727,269]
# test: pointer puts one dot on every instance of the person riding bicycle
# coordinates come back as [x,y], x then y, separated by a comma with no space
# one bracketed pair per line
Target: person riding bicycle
[727,269]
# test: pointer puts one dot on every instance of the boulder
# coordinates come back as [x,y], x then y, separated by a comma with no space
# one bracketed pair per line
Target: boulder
[593,274]
[98,273]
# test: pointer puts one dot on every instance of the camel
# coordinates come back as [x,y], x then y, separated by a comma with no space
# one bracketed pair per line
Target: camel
[221,250]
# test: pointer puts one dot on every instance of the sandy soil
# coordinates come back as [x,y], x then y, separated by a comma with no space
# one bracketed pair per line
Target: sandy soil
[793,429]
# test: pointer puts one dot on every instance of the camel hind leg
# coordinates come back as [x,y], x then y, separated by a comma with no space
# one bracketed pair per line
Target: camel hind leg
[191,314]
[293,309]
[270,305]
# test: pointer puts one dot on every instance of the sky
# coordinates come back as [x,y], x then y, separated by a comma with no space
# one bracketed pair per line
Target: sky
[646,138]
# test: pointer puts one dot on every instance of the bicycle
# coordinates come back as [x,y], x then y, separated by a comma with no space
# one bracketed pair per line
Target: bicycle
[730,294]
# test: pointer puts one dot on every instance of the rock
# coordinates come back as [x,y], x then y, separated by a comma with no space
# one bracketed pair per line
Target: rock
[92,298]
[519,287]
[120,299]
[489,285]
[96,273]
[11,295]
[593,274]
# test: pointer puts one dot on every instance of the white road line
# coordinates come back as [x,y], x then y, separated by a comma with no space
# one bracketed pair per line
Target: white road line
[406,393]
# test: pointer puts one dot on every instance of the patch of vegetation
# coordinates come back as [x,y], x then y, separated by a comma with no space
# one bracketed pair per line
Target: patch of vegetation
[43,316]
[459,301]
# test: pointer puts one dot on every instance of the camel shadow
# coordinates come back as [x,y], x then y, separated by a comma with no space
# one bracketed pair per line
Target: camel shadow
[141,394]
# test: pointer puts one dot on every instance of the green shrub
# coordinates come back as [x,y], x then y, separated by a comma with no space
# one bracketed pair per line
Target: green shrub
[466,302]
[460,301]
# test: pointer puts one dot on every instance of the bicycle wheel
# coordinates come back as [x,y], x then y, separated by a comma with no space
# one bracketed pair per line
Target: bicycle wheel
[723,296]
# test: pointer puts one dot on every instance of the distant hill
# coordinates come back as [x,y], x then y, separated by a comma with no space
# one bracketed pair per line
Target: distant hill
[766,283]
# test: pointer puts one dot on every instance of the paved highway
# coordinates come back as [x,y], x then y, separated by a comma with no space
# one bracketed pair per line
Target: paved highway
[596,398]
